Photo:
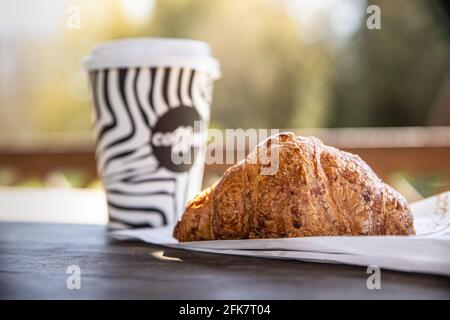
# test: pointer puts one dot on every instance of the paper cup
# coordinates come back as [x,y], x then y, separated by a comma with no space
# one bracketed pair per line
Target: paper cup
[152,101]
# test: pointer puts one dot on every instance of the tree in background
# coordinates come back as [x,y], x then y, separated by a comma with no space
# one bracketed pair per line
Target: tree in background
[278,70]
[394,77]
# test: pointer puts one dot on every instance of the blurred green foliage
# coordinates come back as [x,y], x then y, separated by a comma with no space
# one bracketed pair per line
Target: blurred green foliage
[424,185]
[278,71]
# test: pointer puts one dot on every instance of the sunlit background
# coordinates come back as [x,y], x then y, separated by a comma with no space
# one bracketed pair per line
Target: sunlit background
[285,64]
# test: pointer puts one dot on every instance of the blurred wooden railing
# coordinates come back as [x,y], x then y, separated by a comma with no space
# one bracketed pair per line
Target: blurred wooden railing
[413,150]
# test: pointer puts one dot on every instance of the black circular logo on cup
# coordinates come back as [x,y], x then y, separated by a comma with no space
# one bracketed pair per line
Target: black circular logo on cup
[176,138]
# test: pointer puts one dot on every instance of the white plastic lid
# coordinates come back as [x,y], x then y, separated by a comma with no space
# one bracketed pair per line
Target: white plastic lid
[154,52]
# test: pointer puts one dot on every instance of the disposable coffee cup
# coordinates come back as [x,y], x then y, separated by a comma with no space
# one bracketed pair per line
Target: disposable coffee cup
[151,100]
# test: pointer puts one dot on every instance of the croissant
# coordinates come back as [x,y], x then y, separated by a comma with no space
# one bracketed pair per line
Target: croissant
[317,190]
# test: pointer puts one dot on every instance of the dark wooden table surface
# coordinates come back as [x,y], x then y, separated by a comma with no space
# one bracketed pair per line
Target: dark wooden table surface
[34,260]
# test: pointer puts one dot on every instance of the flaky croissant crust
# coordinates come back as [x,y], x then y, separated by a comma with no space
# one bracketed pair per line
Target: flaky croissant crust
[318,190]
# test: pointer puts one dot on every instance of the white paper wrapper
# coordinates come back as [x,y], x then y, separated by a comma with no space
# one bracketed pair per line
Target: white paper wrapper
[426,252]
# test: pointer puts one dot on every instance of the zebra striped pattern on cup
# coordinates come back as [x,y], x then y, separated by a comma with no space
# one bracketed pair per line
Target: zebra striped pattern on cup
[129,102]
